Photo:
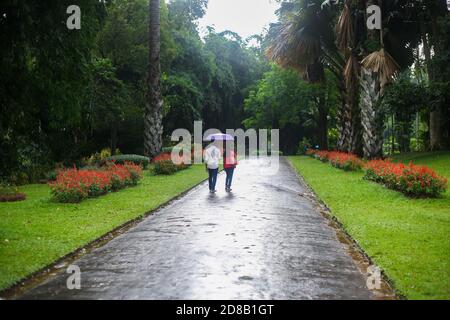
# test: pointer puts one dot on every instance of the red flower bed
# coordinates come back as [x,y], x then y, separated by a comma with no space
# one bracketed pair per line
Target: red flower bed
[345,161]
[73,185]
[321,155]
[162,157]
[340,160]
[413,180]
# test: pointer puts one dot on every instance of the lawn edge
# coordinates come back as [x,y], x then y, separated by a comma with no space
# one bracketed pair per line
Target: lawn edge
[358,255]
[34,279]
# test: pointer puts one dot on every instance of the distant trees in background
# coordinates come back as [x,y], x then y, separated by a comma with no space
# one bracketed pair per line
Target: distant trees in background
[283,100]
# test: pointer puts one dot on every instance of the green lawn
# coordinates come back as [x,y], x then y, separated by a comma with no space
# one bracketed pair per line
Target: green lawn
[408,238]
[36,232]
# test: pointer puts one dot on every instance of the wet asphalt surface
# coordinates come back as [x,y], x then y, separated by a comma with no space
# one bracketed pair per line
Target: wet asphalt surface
[262,241]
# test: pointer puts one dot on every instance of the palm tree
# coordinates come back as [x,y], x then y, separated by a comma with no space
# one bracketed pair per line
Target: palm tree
[349,139]
[304,41]
[377,70]
[153,126]
[432,37]
[366,74]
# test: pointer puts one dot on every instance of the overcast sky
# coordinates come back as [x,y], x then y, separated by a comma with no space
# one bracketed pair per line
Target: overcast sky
[245,17]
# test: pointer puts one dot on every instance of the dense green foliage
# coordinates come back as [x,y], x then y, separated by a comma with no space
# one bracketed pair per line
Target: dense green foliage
[282,100]
[45,69]
[405,101]
[85,89]
[407,238]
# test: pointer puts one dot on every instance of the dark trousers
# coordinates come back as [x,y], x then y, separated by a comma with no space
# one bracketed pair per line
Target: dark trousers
[212,178]
[229,178]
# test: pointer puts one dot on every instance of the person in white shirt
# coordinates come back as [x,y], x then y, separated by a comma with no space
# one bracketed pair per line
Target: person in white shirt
[212,158]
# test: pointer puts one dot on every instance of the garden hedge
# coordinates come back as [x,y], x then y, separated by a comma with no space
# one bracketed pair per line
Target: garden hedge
[134,158]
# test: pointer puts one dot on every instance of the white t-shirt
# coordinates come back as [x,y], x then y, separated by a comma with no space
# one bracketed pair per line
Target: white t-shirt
[212,157]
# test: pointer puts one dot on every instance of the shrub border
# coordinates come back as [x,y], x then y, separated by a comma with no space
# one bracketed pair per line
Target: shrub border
[13,198]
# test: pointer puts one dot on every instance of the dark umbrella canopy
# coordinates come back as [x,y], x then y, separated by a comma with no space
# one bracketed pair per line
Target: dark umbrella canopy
[220,137]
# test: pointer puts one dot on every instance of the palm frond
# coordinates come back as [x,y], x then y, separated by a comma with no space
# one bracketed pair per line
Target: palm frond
[294,45]
[382,63]
[351,72]
[344,30]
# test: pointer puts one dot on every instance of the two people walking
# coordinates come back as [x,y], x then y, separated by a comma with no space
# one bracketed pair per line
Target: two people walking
[213,154]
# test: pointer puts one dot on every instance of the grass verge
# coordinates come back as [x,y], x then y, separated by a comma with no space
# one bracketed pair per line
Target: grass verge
[36,232]
[408,238]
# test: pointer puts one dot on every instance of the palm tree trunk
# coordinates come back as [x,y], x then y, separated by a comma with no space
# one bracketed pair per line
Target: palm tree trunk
[349,120]
[354,143]
[436,129]
[349,114]
[153,125]
[371,115]
[435,114]
[345,121]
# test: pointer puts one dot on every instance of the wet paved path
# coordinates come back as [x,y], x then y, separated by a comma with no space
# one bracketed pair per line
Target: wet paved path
[263,241]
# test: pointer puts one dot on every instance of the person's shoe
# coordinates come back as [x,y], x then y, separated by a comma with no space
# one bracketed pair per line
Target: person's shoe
[211,191]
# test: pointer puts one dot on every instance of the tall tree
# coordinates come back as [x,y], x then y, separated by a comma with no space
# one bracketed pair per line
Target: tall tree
[386,52]
[434,25]
[305,42]
[153,125]
[350,31]
[377,70]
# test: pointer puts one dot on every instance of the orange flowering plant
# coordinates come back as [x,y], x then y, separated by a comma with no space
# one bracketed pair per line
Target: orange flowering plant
[340,160]
[345,161]
[74,185]
[413,180]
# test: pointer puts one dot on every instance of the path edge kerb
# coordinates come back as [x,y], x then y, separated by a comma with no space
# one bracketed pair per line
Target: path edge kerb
[32,280]
[325,211]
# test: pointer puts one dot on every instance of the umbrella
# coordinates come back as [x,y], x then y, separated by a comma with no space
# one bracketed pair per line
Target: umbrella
[220,137]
